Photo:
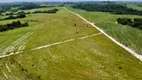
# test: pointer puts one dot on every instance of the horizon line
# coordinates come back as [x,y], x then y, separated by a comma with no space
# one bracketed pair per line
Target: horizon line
[67,1]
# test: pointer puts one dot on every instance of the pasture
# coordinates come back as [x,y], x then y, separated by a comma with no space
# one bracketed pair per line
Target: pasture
[126,35]
[77,56]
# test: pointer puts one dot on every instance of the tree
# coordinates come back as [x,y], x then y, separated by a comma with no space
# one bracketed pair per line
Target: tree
[140,27]
[21,15]
[9,13]
[136,22]
[124,21]
[26,24]
[13,25]
[10,17]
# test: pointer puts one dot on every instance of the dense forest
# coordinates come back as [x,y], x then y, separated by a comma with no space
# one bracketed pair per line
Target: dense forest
[27,6]
[5,7]
[136,22]
[107,7]
[13,25]
[21,6]
[48,11]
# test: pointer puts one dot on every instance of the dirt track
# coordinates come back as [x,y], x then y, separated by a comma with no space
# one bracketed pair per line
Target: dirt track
[118,43]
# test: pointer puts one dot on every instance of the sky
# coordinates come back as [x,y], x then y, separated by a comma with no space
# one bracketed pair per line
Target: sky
[59,0]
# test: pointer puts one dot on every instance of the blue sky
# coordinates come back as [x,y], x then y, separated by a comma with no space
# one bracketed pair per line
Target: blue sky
[59,0]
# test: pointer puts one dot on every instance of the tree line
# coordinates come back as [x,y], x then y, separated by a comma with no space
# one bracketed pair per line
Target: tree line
[136,22]
[13,25]
[12,16]
[4,8]
[107,7]
[19,6]
[22,14]
[26,6]
[48,11]
[140,5]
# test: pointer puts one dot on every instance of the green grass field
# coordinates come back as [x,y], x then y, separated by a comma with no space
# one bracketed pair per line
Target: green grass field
[127,35]
[134,6]
[92,58]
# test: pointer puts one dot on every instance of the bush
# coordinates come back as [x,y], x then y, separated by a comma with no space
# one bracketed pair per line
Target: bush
[9,13]
[21,15]
[124,21]
[140,27]
[28,13]
[49,11]
[13,25]
[10,17]
[136,22]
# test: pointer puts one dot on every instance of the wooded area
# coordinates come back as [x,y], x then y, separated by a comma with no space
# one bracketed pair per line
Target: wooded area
[107,7]
[136,22]
[20,6]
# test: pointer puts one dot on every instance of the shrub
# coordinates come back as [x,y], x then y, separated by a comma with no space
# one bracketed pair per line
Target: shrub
[136,22]
[21,15]
[49,11]
[13,25]
[124,21]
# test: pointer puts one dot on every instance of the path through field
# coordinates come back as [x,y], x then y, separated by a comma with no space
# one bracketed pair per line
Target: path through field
[118,43]
[18,46]
[64,46]
[49,45]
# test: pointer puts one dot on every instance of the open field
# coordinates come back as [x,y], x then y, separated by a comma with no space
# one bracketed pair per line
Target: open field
[13,38]
[128,36]
[78,56]
[134,6]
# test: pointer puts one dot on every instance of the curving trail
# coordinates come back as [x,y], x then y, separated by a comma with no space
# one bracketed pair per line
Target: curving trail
[118,43]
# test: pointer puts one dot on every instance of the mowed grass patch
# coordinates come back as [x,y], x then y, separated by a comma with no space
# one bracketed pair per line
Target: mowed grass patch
[127,35]
[9,38]
[88,59]
[59,27]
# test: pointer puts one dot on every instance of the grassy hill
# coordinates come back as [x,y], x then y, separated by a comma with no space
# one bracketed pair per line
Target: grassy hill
[128,36]
[79,58]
